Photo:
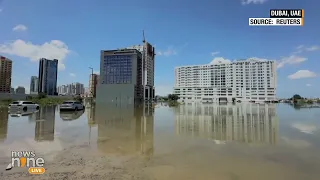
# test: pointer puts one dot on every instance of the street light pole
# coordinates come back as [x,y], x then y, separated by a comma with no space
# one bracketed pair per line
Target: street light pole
[91,79]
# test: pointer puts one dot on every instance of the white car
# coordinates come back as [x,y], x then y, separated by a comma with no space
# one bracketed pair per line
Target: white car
[23,105]
[71,105]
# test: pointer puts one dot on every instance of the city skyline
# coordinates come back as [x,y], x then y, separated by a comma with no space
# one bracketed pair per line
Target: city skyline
[210,37]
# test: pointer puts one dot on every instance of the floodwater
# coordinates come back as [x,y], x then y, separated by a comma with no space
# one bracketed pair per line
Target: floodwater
[188,142]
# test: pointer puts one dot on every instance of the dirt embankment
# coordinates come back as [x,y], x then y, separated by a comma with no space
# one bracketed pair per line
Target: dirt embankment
[79,162]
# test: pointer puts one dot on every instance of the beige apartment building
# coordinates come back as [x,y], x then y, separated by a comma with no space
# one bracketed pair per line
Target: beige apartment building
[5,74]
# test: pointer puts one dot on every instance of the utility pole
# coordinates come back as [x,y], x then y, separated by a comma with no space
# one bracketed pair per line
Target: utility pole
[143,65]
[90,81]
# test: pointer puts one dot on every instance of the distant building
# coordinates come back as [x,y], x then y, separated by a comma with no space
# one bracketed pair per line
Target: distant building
[5,74]
[120,77]
[78,88]
[20,90]
[71,89]
[244,80]
[34,85]
[12,90]
[48,71]
[93,83]
[148,55]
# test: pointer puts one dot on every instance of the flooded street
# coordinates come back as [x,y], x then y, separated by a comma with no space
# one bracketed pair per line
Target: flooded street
[188,142]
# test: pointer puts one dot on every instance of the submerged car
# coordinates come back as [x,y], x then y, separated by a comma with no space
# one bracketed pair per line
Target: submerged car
[23,105]
[71,105]
[70,115]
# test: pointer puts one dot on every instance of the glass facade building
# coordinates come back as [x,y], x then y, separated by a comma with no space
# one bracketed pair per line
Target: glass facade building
[118,69]
[121,73]
[48,71]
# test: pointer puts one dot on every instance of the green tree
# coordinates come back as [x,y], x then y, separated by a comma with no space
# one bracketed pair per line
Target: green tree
[173,97]
[296,96]
[42,95]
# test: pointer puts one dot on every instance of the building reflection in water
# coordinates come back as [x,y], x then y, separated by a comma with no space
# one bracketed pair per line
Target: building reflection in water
[125,129]
[247,123]
[45,121]
[91,112]
[3,123]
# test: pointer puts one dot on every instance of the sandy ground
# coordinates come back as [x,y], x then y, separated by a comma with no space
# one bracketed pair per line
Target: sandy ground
[77,163]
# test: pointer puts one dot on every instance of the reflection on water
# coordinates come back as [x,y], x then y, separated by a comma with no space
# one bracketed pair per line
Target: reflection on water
[91,114]
[125,129]
[45,119]
[247,123]
[71,115]
[3,123]
[183,142]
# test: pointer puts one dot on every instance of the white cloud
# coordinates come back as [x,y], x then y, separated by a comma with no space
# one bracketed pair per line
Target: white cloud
[245,2]
[72,75]
[169,52]
[290,60]
[300,47]
[55,49]
[215,53]
[305,128]
[302,74]
[20,27]
[308,85]
[313,48]
[303,48]
[163,90]
[220,60]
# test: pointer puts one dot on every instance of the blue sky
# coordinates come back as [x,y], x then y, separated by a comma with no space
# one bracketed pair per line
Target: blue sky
[183,31]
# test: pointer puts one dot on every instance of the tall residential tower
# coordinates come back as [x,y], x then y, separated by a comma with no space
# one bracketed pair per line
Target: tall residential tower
[5,74]
[48,72]
[244,80]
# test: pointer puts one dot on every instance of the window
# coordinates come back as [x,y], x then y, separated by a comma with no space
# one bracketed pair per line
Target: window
[27,103]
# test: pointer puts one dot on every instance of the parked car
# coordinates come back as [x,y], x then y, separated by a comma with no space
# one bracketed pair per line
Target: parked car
[23,105]
[71,105]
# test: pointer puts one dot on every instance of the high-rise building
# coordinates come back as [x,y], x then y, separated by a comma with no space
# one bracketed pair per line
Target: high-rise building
[77,88]
[243,80]
[93,83]
[71,89]
[120,76]
[34,85]
[5,74]
[12,90]
[48,71]
[148,54]
[20,90]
